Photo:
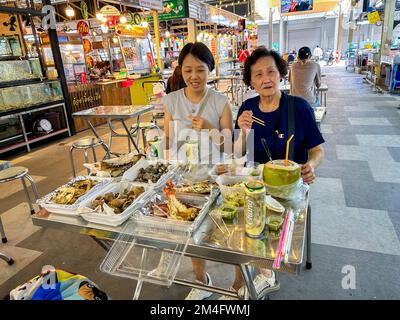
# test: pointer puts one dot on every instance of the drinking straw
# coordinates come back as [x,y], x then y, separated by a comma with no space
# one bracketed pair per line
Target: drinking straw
[287,149]
[278,259]
[289,237]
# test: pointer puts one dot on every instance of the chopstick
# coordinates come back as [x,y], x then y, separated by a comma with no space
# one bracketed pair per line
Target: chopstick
[258,121]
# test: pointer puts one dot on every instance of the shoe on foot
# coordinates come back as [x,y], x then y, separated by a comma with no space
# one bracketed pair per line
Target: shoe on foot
[263,285]
[197,294]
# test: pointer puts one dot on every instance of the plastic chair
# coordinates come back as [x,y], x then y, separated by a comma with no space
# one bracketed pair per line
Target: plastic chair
[396,78]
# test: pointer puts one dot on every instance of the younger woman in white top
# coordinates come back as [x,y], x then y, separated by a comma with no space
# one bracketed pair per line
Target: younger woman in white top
[182,108]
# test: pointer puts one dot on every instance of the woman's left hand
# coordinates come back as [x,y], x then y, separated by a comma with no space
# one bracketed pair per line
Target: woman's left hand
[307,173]
[199,123]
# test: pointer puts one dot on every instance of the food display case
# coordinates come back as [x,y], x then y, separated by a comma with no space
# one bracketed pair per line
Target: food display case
[10,47]
[72,53]
[18,70]
[131,54]
[24,96]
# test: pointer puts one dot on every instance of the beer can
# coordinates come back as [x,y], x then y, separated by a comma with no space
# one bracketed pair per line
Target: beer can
[254,208]
[192,151]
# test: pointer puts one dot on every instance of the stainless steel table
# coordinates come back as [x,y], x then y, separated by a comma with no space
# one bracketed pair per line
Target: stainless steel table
[210,243]
[120,113]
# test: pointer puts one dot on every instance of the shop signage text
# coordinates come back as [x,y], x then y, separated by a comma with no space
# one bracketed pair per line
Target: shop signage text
[172,9]
[83,28]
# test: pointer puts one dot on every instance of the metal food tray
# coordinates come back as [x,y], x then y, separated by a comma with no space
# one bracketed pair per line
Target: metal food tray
[71,210]
[116,219]
[205,202]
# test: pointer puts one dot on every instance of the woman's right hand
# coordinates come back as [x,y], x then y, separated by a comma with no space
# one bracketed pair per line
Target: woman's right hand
[245,120]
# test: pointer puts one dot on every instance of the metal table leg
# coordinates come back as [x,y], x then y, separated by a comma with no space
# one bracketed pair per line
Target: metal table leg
[248,280]
[129,134]
[2,233]
[71,157]
[308,227]
[105,147]
[27,195]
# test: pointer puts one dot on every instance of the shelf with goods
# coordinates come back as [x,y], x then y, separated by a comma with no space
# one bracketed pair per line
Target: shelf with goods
[388,65]
[32,105]
[23,127]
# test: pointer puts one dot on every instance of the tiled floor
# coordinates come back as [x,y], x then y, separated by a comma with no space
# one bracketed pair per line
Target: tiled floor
[355,201]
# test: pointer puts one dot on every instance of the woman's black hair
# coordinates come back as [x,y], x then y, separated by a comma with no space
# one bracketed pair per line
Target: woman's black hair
[200,51]
[262,52]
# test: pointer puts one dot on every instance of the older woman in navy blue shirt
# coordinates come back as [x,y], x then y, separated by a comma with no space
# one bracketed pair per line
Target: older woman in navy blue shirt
[263,70]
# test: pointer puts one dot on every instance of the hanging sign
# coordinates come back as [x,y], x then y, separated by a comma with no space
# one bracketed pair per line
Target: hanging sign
[83,28]
[109,11]
[132,30]
[151,4]
[373,17]
[87,45]
[172,9]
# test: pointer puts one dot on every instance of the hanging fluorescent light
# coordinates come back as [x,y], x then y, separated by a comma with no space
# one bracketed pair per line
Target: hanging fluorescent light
[69,11]
[122,19]
[145,24]
[167,34]
[99,16]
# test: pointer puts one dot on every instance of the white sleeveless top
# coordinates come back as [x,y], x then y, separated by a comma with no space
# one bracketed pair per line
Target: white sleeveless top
[180,108]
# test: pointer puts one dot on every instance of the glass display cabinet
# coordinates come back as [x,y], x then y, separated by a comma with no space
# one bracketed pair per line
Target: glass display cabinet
[10,47]
[17,70]
[25,96]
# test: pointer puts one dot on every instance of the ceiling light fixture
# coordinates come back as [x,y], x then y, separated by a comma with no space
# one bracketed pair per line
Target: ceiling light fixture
[69,11]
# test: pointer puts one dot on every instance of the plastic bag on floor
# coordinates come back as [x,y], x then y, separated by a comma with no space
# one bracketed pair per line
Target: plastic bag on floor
[57,284]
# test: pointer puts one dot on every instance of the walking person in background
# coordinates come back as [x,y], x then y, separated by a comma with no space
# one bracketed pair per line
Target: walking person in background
[305,77]
[318,53]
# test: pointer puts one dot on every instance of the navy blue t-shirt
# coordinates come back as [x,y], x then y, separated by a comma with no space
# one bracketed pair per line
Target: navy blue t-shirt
[306,135]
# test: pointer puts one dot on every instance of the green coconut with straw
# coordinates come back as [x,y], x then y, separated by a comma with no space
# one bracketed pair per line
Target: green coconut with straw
[279,173]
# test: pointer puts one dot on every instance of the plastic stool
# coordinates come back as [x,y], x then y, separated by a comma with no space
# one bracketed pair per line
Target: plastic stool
[85,144]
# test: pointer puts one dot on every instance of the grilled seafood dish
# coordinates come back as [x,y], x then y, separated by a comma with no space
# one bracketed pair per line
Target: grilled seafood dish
[117,166]
[118,202]
[69,194]
[152,173]
[203,187]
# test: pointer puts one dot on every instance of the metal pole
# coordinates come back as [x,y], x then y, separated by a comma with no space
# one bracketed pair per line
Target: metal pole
[55,48]
[270,28]
[281,36]
[157,35]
